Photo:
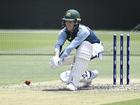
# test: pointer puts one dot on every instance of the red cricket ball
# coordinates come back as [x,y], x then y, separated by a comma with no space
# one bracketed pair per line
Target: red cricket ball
[27,82]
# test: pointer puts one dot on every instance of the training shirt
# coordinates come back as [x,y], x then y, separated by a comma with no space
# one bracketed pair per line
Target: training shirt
[81,33]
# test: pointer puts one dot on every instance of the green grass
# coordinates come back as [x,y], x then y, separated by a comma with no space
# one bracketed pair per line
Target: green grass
[27,97]
[16,69]
[128,102]
[27,42]
[42,42]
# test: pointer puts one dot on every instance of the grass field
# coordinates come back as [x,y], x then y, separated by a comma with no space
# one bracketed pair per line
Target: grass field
[128,102]
[31,52]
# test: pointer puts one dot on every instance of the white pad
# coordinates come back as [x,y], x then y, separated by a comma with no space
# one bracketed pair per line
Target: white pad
[83,55]
[84,51]
[64,76]
[97,50]
[88,76]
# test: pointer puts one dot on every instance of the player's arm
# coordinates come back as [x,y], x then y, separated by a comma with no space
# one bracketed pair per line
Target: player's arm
[81,36]
[60,42]
[55,61]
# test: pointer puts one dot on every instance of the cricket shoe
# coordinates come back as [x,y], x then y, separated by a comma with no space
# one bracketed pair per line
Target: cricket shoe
[71,87]
[88,76]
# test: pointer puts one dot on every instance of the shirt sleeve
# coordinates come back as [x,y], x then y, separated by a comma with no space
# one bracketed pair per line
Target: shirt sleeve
[81,36]
[61,40]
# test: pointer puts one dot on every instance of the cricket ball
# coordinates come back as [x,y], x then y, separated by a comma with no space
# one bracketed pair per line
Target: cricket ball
[27,82]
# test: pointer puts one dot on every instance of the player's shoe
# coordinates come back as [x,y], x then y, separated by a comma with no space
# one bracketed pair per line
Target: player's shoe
[88,76]
[71,87]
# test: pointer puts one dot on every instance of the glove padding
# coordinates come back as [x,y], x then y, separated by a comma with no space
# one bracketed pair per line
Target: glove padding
[56,61]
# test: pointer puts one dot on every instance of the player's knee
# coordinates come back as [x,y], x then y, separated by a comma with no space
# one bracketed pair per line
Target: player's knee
[84,51]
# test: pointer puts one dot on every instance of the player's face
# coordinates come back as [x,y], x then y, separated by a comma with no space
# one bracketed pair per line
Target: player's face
[70,25]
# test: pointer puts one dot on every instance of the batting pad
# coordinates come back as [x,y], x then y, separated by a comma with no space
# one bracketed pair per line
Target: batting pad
[83,55]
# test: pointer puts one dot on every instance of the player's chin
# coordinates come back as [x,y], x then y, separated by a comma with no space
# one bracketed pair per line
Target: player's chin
[69,28]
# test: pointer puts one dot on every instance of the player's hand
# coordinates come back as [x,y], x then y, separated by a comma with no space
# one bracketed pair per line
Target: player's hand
[56,61]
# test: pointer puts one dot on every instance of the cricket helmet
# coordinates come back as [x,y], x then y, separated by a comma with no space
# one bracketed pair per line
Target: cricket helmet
[72,15]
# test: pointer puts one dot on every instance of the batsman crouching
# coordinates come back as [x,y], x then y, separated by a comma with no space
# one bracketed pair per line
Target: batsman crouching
[87,46]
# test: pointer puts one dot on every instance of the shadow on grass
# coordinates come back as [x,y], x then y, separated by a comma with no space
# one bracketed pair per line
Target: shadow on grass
[103,87]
